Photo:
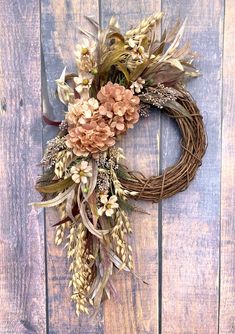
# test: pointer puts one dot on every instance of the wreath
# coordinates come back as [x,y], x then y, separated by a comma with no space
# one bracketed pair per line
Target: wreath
[120,78]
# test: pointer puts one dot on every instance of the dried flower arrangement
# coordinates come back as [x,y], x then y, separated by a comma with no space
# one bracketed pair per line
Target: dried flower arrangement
[120,77]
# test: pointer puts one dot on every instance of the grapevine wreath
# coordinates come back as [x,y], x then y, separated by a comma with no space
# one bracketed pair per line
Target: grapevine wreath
[120,78]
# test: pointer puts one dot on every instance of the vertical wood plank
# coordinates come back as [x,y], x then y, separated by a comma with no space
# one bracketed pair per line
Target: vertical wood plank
[60,33]
[227,298]
[136,311]
[22,274]
[191,220]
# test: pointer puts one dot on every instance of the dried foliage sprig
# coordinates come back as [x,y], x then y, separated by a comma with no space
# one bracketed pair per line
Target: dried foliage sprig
[120,77]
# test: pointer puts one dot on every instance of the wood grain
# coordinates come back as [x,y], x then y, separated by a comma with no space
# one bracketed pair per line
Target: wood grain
[189,238]
[227,296]
[22,273]
[136,311]
[60,34]
[191,220]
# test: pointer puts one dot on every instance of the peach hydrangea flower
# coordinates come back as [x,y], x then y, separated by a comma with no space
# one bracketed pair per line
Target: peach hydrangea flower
[93,126]
[119,105]
[81,110]
[90,138]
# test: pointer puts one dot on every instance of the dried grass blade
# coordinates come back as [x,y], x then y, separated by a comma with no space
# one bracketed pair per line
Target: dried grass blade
[61,197]
[93,21]
[86,221]
[117,261]
[69,205]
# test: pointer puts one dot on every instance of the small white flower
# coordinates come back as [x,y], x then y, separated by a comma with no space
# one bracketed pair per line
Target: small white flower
[85,56]
[85,49]
[81,172]
[137,85]
[109,205]
[83,83]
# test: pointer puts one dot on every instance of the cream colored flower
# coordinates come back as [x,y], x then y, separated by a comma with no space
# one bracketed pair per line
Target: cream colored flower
[83,84]
[86,48]
[81,172]
[138,52]
[137,85]
[85,55]
[109,205]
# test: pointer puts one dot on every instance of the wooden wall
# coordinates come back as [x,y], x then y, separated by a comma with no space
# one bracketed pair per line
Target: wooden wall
[185,249]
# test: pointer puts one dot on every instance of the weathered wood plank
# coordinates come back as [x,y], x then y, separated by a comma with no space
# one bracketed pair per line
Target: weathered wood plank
[22,274]
[136,311]
[191,220]
[60,34]
[227,298]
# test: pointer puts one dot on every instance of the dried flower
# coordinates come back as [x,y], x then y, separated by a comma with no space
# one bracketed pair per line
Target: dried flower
[53,147]
[103,183]
[137,85]
[83,84]
[144,109]
[63,125]
[102,187]
[159,96]
[81,172]
[138,52]
[109,205]
[116,153]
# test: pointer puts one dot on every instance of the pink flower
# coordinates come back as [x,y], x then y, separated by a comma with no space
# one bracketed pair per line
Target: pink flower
[119,105]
